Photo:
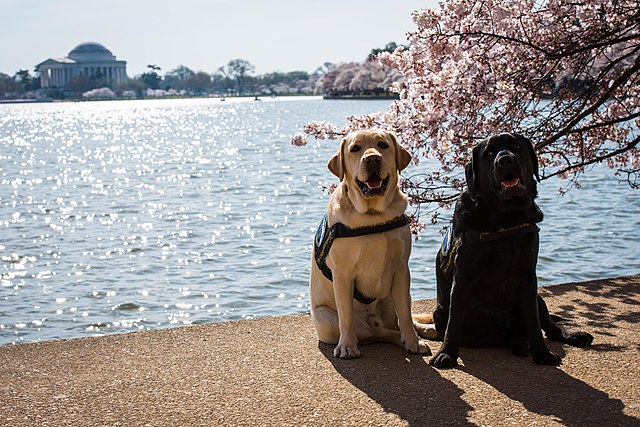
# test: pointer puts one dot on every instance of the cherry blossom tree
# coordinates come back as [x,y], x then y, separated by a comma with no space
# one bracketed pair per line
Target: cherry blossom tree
[564,74]
[367,78]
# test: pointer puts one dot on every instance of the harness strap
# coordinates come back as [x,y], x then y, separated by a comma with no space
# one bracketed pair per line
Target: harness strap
[474,236]
[451,245]
[325,237]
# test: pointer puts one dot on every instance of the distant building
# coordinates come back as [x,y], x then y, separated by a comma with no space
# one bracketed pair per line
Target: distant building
[90,59]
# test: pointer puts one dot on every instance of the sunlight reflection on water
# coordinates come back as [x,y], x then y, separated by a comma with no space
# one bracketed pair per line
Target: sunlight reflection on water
[118,216]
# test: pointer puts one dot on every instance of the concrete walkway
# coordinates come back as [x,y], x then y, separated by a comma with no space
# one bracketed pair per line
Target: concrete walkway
[273,371]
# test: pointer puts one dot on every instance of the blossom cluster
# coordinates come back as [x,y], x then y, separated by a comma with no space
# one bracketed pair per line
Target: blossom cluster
[299,139]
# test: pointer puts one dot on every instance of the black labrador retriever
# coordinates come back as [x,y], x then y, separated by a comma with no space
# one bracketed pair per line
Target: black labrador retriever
[486,268]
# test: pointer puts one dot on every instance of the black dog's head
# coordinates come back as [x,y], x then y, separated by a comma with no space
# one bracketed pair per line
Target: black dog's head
[502,171]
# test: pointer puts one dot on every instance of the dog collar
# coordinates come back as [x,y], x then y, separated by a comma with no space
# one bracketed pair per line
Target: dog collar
[325,236]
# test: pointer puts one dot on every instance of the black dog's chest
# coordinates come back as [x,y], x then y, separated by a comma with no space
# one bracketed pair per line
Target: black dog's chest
[505,254]
[500,268]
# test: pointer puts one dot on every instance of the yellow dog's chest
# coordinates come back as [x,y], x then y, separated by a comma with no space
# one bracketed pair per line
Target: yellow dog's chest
[370,261]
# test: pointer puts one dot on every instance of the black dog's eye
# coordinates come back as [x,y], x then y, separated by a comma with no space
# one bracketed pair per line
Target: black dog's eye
[488,153]
[383,145]
[355,148]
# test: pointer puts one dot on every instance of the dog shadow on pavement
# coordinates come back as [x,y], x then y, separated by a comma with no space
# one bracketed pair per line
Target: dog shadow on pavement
[403,384]
[419,394]
[545,390]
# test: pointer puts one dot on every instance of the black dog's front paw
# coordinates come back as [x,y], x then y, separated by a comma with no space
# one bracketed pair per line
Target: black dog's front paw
[520,347]
[546,357]
[579,339]
[443,360]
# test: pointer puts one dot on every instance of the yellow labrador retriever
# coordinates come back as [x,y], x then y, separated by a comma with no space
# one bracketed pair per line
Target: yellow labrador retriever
[359,284]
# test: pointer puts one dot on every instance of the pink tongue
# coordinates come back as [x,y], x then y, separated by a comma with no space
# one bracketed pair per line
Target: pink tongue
[374,183]
[508,183]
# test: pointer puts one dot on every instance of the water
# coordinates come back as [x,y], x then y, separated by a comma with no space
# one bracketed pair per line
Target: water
[120,216]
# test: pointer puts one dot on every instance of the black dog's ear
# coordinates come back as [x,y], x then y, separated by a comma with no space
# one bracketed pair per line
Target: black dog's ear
[471,168]
[468,173]
[532,154]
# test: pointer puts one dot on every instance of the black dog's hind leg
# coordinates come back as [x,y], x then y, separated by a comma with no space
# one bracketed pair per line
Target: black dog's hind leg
[556,333]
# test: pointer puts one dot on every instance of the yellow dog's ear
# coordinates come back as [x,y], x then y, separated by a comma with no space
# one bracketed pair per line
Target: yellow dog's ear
[336,163]
[403,157]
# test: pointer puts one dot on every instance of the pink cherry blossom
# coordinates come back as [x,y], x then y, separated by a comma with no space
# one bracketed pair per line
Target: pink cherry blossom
[299,139]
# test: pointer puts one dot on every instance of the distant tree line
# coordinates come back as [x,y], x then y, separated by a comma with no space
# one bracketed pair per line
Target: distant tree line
[236,78]
[21,82]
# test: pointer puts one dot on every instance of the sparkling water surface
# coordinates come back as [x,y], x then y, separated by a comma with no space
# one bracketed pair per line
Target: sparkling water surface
[126,215]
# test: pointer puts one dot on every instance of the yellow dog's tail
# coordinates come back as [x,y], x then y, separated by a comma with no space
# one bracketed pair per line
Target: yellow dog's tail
[424,326]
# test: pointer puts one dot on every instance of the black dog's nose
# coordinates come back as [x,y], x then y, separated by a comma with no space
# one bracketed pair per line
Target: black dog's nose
[504,157]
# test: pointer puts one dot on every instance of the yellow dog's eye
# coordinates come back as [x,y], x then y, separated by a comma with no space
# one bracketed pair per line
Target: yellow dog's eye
[355,148]
[383,145]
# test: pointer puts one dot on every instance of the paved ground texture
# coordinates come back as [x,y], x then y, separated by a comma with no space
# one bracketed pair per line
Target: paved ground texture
[273,371]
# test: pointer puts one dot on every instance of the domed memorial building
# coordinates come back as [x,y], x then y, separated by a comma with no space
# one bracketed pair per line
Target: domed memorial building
[89,59]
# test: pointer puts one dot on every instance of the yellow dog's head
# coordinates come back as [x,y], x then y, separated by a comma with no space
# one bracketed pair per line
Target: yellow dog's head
[368,162]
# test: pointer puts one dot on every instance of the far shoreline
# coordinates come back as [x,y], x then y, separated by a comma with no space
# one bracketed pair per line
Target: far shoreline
[219,97]
[360,97]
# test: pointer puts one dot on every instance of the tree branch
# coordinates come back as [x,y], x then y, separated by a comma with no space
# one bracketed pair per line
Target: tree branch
[607,123]
[622,79]
[631,145]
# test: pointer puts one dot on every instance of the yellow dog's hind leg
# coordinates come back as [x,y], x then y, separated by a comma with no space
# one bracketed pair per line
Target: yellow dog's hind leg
[424,326]
[393,336]
[325,321]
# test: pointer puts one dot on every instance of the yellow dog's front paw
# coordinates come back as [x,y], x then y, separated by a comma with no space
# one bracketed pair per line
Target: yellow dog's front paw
[344,351]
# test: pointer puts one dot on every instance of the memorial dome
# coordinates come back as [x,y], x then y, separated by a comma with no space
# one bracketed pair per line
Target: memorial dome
[91,51]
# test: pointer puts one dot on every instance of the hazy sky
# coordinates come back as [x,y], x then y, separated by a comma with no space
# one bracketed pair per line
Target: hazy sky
[273,35]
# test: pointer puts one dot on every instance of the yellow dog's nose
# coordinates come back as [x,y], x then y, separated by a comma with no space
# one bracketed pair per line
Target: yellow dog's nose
[372,156]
